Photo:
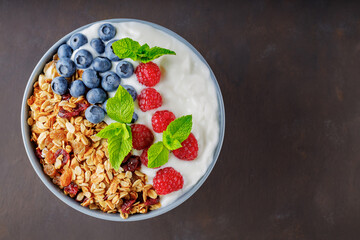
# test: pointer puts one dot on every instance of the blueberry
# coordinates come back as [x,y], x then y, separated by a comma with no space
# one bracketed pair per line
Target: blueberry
[131,90]
[83,58]
[107,32]
[98,45]
[64,51]
[110,81]
[77,88]
[77,40]
[104,106]
[59,85]
[96,95]
[102,64]
[134,117]
[91,78]
[109,53]
[94,114]
[124,69]
[65,67]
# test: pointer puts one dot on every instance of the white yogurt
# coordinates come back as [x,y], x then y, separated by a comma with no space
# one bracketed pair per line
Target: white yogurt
[186,88]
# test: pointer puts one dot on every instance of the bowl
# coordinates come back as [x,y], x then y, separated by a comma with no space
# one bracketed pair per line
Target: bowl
[29,146]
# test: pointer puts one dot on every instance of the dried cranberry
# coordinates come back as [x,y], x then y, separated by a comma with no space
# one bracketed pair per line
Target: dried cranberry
[65,154]
[71,189]
[38,153]
[151,201]
[140,198]
[75,112]
[131,164]
[82,106]
[127,157]
[66,114]
[125,208]
[66,96]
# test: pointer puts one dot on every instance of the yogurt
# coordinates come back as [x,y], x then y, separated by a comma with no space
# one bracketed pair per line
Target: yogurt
[186,88]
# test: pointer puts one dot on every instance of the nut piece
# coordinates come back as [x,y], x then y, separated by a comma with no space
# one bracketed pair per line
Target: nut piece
[152,194]
[49,170]
[70,127]
[65,178]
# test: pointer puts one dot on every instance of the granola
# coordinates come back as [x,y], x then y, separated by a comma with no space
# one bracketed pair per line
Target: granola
[76,159]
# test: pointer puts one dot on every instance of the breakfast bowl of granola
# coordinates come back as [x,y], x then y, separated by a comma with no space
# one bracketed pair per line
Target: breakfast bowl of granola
[122,119]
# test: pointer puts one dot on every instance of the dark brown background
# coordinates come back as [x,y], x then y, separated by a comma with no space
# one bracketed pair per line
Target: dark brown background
[289,73]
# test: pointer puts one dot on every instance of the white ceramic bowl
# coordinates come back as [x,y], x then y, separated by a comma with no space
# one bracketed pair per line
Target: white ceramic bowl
[30,148]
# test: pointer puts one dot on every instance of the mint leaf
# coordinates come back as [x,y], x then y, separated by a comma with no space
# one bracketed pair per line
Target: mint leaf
[171,144]
[128,48]
[177,131]
[120,107]
[127,132]
[114,129]
[158,155]
[153,53]
[118,149]
[142,51]
[119,142]
[156,52]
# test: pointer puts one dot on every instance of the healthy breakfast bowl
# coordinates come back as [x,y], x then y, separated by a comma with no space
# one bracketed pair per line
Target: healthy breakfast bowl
[122,160]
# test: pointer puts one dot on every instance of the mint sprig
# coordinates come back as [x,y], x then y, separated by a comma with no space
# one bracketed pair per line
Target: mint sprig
[176,132]
[119,108]
[119,147]
[114,129]
[128,48]
[158,154]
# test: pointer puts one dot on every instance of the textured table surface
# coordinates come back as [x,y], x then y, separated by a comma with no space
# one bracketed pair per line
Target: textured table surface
[290,76]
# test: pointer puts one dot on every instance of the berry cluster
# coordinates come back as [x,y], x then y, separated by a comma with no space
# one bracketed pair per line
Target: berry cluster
[96,79]
[168,179]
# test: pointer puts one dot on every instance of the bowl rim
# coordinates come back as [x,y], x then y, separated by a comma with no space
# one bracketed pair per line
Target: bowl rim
[25,130]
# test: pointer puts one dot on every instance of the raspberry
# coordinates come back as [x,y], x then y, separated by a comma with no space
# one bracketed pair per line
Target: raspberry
[149,99]
[148,74]
[161,119]
[142,137]
[189,149]
[167,180]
